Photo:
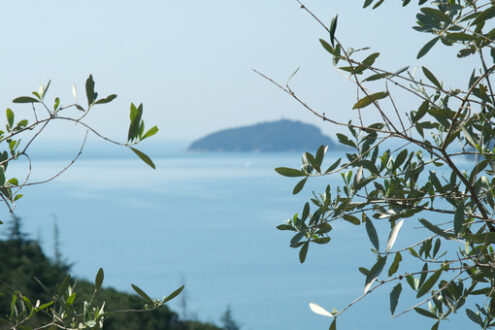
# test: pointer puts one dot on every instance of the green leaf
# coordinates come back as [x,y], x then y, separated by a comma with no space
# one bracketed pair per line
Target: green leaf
[466,52]
[333,166]
[152,131]
[289,172]
[367,3]
[285,226]
[320,154]
[424,312]
[370,166]
[365,101]
[315,217]
[141,293]
[2,175]
[368,61]
[378,4]
[305,212]
[107,99]
[352,219]
[484,15]
[460,36]
[401,157]
[45,306]
[90,89]
[25,99]
[475,317]
[370,229]
[38,96]
[10,117]
[295,241]
[424,274]
[99,278]
[426,48]
[395,264]
[436,229]
[321,240]
[364,271]
[411,281]
[324,228]
[438,14]
[299,186]
[12,305]
[333,27]
[343,139]
[394,297]
[303,252]
[398,72]
[422,110]
[333,326]
[173,294]
[459,218]
[135,115]
[70,299]
[377,76]
[374,272]
[327,46]
[436,248]
[392,237]
[413,253]
[441,115]
[429,283]
[307,159]
[144,157]
[478,168]
[469,137]
[431,77]
[482,238]
[45,89]
[22,123]
[354,69]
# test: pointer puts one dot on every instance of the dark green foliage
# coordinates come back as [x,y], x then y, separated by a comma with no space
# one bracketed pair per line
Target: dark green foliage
[33,289]
[228,321]
[24,267]
[21,260]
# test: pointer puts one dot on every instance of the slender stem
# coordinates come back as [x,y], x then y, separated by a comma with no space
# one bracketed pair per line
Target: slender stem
[467,184]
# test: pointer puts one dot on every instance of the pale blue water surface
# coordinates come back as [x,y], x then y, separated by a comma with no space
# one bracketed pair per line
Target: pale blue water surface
[210,218]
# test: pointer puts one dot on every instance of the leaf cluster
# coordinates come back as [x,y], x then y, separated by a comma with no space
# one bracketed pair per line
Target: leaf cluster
[439,175]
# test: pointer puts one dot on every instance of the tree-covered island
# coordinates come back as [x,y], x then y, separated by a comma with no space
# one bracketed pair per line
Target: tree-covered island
[280,135]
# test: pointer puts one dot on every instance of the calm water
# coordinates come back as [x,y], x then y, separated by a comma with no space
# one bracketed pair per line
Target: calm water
[210,219]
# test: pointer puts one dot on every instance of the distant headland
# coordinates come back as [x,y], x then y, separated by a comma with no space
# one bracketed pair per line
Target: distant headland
[281,135]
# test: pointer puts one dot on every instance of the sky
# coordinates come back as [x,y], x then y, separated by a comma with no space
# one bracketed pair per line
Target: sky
[190,62]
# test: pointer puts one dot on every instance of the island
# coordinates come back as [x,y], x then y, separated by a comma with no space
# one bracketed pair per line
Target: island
[280,135]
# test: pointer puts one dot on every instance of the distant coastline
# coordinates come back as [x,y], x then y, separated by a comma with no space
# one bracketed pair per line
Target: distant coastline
[281,135]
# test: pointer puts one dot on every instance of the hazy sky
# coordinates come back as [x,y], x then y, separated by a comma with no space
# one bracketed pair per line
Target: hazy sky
[190,61]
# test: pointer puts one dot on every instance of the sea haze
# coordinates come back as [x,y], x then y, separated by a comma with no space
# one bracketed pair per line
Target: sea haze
[209,218]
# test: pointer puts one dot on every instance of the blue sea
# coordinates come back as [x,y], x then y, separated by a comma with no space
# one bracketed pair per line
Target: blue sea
[208,220]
